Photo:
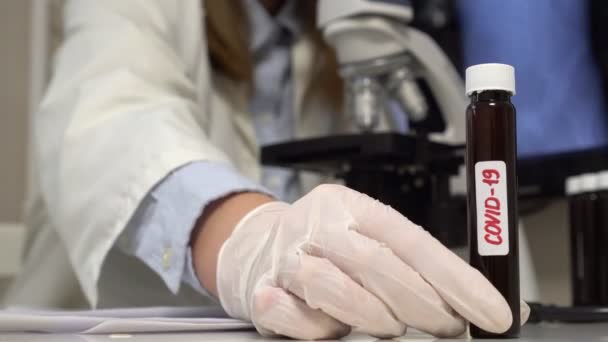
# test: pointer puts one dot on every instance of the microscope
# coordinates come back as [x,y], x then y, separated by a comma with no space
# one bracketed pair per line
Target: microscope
[392,69]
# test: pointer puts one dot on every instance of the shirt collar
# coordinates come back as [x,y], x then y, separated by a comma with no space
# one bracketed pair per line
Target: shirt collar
[266,29]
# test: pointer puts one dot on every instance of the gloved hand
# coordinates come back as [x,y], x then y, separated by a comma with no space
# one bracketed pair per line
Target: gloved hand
[337,259]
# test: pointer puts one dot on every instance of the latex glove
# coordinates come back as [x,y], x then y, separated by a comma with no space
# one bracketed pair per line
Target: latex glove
[337,259]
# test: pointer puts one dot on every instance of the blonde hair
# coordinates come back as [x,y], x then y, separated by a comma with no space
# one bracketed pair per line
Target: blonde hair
[228,42]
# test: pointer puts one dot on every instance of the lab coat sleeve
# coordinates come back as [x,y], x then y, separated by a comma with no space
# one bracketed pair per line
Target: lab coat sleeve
[159,232]
[120,113]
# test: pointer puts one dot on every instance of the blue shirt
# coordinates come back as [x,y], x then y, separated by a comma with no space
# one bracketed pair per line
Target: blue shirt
[559,99]
[159,231]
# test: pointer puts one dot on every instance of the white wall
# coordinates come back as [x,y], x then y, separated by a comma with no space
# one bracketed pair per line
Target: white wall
[14,66]
[549,239]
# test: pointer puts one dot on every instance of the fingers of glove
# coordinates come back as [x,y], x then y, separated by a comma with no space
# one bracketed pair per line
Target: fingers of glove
[323,286]
[465,289]
[374,266]
[524,312]
[276,312]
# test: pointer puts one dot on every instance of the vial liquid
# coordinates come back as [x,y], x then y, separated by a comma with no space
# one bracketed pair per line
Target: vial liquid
[491,157]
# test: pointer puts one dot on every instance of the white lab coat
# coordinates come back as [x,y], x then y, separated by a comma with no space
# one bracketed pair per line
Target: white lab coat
[132,97]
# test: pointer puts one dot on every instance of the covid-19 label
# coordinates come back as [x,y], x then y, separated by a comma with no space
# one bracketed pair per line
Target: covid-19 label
[492,208]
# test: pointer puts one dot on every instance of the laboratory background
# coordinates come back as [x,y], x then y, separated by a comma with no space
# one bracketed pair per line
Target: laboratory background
[15,94]
[562,128]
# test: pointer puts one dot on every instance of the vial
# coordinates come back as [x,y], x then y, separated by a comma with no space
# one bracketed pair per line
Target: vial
[491,158]
[576,219]
[586,244]
[602,238]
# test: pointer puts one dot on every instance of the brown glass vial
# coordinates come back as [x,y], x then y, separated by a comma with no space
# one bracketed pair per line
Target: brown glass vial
[491,161]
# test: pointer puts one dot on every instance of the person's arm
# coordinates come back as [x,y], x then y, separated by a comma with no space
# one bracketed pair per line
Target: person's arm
[214,228]
[159,232]
[121,112]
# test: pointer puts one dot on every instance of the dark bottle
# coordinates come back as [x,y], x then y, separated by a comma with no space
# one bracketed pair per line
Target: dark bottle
[491,158]
[602,238]
[577,221]
[584,240]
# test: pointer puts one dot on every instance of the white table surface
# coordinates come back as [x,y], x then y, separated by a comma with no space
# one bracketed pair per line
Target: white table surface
[542,332]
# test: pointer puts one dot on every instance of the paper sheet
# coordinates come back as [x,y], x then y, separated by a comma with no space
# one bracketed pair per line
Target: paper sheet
[116,321]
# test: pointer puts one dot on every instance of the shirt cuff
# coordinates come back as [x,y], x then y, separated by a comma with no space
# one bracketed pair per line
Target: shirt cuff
[159,232]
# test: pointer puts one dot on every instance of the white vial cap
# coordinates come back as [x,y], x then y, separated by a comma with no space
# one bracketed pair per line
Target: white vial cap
[573,185]
[491,76]
[602,180]
[589,182]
